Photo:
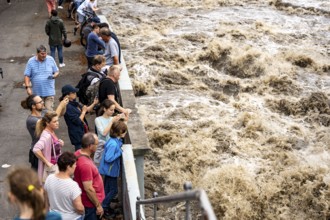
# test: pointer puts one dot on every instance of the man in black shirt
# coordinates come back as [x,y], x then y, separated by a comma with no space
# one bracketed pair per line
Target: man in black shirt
[109,89]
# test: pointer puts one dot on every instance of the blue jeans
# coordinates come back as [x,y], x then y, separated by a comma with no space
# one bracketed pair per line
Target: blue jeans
[59,51]
[90,214]
[110,190]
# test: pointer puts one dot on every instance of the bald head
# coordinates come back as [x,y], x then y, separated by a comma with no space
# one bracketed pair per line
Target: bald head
[114,72]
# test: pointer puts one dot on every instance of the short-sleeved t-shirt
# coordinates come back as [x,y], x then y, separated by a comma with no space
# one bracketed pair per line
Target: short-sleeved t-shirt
[111,50]
[40,73]
[61,193]
[101,123]
[31,122]
[108,87]
[87,171]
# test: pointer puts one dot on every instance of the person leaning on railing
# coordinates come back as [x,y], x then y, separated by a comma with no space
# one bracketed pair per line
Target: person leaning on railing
[110,164]
[109,89]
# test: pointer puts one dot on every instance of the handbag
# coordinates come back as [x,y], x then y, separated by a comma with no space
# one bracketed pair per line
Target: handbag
[86,129]
[49,170]
[53,169]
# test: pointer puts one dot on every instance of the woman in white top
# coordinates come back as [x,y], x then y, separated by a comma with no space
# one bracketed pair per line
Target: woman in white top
[64,194]
[103,124]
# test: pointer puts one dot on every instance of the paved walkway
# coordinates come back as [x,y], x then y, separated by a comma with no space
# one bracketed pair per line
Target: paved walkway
[22,29]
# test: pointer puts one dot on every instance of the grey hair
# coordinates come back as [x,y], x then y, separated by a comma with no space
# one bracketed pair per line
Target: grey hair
[113,69]
[105,31]
[41,48]
[88,139]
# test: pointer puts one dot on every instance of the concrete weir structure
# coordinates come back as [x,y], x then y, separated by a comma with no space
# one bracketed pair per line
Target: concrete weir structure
[135,147]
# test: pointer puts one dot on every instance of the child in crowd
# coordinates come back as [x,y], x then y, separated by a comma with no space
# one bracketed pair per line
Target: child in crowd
[26,192]
[103,124]
[110,163]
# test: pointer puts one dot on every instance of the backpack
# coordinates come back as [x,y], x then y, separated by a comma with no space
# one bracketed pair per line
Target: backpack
[88,92]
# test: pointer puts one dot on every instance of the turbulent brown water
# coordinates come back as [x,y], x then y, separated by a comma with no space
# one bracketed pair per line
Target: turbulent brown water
[234,95]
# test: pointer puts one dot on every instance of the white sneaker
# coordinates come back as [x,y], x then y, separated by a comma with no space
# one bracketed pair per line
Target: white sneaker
[60,7]
[62,64]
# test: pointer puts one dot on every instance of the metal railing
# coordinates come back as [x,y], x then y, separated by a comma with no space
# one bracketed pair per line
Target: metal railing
[189,195]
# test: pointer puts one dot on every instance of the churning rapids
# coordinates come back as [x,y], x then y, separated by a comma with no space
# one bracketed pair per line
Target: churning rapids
[234,95]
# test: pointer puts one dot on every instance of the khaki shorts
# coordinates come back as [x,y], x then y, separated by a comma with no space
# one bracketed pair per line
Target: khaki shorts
[49,102]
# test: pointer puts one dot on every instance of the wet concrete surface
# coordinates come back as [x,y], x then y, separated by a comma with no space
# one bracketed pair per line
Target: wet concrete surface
[22,30]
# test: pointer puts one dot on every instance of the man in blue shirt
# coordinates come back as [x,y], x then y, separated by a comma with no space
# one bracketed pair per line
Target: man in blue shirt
[41,70]
[93,44]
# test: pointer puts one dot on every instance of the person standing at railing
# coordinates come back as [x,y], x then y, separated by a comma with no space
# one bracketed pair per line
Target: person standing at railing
[94,44]
[112,47]
[88,178]
[110,164]
[103,125]
[109,89]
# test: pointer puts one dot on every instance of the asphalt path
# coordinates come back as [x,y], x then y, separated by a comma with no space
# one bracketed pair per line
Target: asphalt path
[22,30]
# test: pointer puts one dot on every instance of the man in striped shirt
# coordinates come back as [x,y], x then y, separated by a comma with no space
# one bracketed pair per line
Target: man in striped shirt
[41,70]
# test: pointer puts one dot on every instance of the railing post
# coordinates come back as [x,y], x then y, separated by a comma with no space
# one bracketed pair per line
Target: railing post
[155,195]
[137,208]
[187,186]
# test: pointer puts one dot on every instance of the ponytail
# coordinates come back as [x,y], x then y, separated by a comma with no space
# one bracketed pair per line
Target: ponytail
[28,102]
[40,126]
[24,185]
[42,123]
[37,203]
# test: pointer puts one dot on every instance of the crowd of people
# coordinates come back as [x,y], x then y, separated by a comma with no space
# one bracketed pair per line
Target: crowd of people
[81,183]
